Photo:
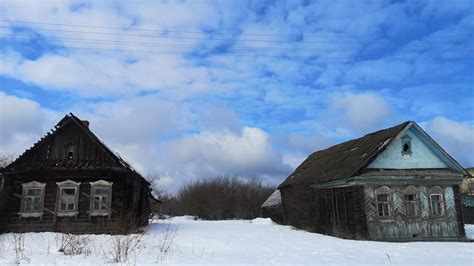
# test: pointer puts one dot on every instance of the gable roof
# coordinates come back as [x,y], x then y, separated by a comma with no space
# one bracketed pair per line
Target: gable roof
[349,158]
[115,160]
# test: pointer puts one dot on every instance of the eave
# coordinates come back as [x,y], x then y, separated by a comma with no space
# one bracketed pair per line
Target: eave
[390,181]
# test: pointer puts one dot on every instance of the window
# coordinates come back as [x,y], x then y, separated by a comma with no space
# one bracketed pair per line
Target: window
[383,206]
[436,204]
[411,209]
[32,199]
[68,198]
[406,145]
[383,201]
[101,198]
[2,183]
[70,151]
[410,199]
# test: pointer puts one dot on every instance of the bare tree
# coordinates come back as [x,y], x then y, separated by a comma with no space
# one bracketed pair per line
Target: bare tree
[223,198]
[6,159]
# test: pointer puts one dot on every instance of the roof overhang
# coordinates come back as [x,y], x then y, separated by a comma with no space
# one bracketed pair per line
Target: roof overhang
[391,181]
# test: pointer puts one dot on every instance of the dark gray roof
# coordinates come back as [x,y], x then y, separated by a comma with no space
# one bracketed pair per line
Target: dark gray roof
[116,161]
[345,159]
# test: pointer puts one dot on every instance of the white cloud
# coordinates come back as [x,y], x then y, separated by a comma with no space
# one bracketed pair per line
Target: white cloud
[22,122]
[456,138]
[247,153]
[363,111]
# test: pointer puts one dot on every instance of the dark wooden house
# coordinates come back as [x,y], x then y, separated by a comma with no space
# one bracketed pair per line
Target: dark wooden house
[395,184]
[69,181]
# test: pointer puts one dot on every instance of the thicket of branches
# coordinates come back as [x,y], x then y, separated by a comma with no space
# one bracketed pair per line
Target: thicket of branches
[218,198]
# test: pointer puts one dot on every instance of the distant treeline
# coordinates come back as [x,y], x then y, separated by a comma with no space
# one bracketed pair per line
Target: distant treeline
[218,198]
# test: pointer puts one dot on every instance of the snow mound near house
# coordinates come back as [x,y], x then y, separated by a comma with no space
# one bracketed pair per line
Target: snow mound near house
[469,231]
[262,221]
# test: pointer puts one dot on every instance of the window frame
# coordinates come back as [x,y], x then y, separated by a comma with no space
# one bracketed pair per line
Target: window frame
[68,184]
[441,205]
[437,190]
[101,184]
[411,190]
[383,190]
[406,140]
[70,148]
[411,205]
[29,186]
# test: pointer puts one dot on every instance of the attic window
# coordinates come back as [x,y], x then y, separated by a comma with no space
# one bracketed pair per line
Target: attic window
[406,145]
[70,151]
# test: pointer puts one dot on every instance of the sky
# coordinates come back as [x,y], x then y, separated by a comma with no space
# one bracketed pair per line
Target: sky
[192,89]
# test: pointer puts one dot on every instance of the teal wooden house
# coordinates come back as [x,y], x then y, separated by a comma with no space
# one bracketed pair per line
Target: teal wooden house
[395,184]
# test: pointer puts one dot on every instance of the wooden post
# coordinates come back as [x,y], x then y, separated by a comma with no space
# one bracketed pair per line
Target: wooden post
[55,215]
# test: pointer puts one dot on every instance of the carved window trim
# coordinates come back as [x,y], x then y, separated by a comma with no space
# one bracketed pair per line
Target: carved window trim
[68,184]
[27,199]
[383,207]
[436,191]
[411,203]
[97,200]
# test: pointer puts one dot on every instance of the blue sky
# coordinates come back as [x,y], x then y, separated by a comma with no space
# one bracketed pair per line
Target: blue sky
[189,89]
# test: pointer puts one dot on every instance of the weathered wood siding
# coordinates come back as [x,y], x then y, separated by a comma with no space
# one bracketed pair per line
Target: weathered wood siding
[336,211]
[340,212]
[299,206]
[49,161]
[125,203]
[398,226]
[54,148]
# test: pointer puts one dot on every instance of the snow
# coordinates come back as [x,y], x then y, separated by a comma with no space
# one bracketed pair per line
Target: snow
[274,199]
[384,144]
[469,231]
[258,241]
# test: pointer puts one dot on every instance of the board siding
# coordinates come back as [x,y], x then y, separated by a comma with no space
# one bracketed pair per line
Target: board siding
[398,226]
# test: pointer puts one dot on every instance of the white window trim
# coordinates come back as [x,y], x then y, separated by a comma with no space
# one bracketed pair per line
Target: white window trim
[36,213]
[94,186]
[68,184]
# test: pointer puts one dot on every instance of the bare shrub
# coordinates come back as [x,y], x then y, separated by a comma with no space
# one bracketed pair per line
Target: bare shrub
[223,198]
[124,245]
[19,241]
[166,237]
[71,245]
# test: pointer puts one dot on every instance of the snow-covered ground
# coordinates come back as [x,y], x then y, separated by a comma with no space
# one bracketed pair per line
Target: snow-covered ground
[240,242]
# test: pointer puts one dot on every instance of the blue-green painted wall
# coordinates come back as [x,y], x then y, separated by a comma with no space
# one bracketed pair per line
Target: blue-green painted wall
[398,226]
[422,156]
